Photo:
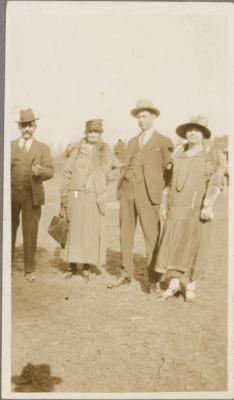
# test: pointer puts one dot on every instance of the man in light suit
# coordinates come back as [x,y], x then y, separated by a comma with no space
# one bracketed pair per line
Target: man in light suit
[140,187]
[31,164]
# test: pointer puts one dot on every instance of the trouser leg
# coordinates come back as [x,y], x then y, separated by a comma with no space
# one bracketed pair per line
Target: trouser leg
[128,219]
[149,220]
[30,221]
[15,220]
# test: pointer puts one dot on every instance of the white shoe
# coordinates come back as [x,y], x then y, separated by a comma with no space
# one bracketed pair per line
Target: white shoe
[166,294]
[190,294]
[173,288]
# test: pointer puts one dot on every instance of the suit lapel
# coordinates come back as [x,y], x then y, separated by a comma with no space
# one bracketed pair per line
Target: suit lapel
[134,146]
[154,140]
[33,150]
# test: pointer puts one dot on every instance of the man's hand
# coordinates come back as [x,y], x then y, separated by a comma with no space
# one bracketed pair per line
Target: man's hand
[37,169]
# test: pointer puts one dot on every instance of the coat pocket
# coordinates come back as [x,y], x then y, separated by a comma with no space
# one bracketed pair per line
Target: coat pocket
[38,194]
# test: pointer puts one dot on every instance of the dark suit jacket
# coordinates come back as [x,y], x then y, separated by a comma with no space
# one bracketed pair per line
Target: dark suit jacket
[156,156]
[39,154]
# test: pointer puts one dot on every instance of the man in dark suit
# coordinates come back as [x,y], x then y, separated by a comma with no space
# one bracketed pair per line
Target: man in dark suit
[140,188]
[31,164]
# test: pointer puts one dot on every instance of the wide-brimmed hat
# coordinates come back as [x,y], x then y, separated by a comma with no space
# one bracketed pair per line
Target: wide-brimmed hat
[197,122]
[144,105]
[27,116]
[94,125]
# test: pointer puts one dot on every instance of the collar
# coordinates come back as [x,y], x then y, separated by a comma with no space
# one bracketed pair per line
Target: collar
[148,132]
[28,142]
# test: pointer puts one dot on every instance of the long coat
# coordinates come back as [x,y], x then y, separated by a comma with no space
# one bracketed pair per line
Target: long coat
[86,210]
[156,157]
[39,154]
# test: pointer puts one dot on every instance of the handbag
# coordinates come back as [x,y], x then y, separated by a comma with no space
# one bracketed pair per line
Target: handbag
[58,227]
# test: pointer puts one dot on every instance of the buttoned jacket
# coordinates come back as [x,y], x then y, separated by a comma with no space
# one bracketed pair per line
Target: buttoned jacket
[39,154]
[156,164]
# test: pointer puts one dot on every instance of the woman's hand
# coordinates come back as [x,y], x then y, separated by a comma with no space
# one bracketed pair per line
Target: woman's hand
[207,213]
[163,211]
[64,201]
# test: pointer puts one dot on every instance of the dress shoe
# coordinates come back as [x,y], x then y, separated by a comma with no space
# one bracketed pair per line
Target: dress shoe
[29,276]
[72,267]
[33,277]
[119,282]
[155,288]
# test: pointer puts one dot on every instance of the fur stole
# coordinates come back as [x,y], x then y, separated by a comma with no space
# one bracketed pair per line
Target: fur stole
[101,154]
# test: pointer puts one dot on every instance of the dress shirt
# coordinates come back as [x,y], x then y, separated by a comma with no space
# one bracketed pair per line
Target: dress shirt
[27,143]
[145,136]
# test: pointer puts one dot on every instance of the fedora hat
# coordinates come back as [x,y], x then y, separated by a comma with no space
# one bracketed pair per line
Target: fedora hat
[27,116]
[144,105]
[94,125]
[195,122]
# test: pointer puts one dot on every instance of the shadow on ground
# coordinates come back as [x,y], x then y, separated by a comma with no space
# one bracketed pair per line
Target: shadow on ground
[46,260]
[35,378]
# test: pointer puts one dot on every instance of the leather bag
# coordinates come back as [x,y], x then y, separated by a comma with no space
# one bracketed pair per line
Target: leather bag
[58,227]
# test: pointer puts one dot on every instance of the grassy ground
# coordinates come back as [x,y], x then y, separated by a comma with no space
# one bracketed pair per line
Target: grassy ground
[99,340]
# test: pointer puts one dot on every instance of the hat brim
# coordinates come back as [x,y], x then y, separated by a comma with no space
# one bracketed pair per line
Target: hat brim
[137,110]
[183,129]
[25,122]
[93,130]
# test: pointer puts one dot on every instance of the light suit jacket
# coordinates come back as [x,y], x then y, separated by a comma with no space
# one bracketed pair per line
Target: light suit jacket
[156,156]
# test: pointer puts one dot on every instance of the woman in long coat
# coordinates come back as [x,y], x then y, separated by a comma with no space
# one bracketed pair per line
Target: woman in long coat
[84,195]
[188,203]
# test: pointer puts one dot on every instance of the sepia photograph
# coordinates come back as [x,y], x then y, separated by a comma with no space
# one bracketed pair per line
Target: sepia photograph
[117,278]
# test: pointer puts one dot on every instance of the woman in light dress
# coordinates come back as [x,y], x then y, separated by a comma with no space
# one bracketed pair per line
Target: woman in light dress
[84,195]
[188,211]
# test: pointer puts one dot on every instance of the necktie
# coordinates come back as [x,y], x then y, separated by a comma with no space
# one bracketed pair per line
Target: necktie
[142,140]
[24,147]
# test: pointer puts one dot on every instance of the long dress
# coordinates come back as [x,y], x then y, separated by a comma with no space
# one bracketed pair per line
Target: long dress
[86,242]
[185,237]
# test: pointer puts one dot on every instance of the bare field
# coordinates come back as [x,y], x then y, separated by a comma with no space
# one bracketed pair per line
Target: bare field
[122,340]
